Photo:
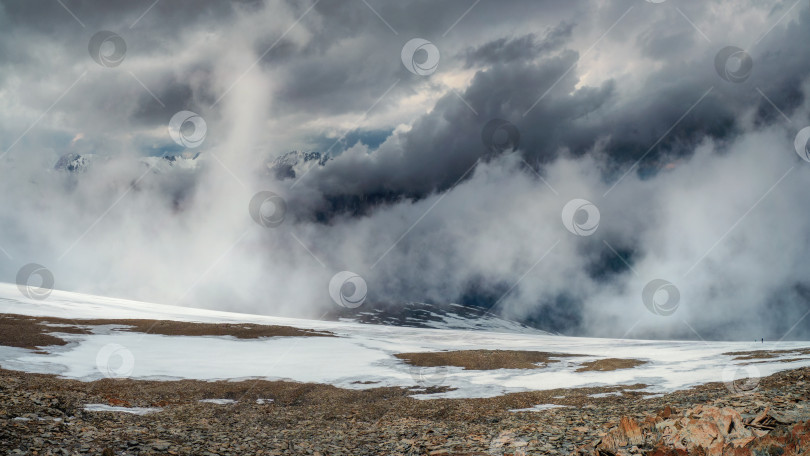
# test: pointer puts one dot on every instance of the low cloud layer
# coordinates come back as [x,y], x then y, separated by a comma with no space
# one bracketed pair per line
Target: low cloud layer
[691,166]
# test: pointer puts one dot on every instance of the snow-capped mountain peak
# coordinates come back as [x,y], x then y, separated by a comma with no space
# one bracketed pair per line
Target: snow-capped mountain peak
[74,163]
[295,163]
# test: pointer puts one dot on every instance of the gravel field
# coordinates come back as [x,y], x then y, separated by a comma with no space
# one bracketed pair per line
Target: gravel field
[43,415]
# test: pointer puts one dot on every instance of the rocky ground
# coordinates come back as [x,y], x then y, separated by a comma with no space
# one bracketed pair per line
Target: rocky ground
[42,415]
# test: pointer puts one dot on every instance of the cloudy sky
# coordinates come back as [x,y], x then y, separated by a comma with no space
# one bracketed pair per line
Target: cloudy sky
[546,160]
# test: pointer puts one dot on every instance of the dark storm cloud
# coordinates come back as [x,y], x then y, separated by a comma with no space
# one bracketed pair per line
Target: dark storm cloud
[353,57]
[37,31]
[96,13]
[527,47]
[444,143]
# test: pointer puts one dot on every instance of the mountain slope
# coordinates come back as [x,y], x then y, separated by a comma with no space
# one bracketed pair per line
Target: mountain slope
[363,356]
[422,315]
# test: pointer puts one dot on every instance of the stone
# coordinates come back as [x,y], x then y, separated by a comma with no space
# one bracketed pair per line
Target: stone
[631,430]
[160,445]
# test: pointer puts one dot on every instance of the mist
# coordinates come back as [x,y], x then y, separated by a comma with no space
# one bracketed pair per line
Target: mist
[690,169]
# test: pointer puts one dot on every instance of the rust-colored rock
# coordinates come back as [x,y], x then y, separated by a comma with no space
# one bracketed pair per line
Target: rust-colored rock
[114,401]
[666,412]
[729,422]
[794,441]
[697,434]
[631,430]
[706,430]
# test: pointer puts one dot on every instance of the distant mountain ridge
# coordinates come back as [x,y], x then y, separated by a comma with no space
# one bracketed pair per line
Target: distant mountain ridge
[295,163]
[77,163]
[423,315]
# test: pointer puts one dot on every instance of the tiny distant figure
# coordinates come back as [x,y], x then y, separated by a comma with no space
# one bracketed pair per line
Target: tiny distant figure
[763,340]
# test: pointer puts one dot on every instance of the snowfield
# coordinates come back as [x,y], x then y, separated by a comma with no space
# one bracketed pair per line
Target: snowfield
[361,357]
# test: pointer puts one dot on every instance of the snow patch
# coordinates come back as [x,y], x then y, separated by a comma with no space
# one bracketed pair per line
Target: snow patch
[218,401]
[613,393]
[539,408]
[130,410]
